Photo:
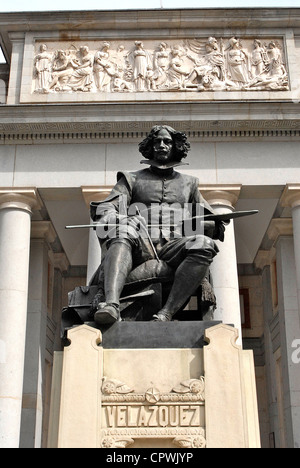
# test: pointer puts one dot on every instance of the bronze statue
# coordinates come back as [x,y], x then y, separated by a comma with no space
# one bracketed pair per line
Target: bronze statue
[148,217]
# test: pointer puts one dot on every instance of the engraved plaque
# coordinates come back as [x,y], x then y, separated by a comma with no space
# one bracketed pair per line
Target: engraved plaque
[178,415]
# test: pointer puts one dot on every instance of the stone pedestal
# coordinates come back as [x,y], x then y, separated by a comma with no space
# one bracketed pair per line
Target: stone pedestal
[147,397]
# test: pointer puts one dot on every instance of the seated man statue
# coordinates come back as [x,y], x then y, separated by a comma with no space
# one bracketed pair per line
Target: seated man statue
[152,213]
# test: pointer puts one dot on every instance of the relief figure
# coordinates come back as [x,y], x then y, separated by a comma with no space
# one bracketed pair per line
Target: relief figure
[82,75]
[209,71]
[258,59]
[140,66]
[177,71]
[215,58]
[274,75]
[237,63]
[61,71]
[42,69]
[161,65]
[104,70]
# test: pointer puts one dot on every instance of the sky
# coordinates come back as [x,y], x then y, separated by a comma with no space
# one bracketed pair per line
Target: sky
[37,5]
[56,5]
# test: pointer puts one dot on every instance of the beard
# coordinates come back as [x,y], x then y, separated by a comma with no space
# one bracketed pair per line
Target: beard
[163,157]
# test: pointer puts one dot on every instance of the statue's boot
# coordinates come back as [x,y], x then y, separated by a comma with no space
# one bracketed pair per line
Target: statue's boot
[188,278]
[118,264]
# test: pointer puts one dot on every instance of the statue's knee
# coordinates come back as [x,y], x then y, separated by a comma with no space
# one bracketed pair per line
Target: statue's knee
[121,243]
[203,249]
[201,242]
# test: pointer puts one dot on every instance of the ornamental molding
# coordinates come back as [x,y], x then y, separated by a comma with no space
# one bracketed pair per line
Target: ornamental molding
[91,132]
[188,390]
[183,438]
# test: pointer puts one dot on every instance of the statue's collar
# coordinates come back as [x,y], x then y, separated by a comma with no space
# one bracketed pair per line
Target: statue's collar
[165,167]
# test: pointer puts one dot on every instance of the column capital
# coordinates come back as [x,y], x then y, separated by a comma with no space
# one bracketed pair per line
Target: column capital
[95,193]
[26,199]
[290,196]
[61,262]
[43,230]
[280,227]
[17,36]
[264,258]
[224,195]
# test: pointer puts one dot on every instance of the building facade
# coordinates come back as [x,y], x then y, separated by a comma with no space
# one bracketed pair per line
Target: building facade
[78,93]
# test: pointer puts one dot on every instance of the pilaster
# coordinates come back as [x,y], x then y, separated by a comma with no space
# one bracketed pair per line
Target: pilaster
[18,39]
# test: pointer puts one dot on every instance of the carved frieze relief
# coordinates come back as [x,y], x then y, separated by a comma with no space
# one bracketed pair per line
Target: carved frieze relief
[183,65]
[188,390]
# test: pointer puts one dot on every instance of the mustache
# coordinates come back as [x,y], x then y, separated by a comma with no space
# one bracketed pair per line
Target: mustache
[158,150]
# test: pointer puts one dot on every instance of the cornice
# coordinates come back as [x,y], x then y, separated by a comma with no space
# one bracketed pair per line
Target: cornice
[73,24]
[157,17]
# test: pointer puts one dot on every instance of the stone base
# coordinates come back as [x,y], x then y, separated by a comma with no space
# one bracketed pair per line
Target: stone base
[125,392]
[155,335]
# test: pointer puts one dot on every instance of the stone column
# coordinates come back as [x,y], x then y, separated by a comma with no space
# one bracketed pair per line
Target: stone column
[291,198]
[224,267]
[265,260]
[291,321]
[15,218]
[42,234]
[94,253]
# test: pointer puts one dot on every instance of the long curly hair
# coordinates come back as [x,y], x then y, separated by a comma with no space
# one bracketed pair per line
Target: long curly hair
[181,145]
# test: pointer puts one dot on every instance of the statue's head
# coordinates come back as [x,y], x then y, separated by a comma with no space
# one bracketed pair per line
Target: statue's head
[164,144]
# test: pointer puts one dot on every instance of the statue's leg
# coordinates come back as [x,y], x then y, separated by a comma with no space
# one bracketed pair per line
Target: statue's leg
[192,257]
[118,264]
[188,277]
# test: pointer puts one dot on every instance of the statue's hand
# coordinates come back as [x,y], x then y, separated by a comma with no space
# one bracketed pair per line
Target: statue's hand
[219,231]
[209,228]
[137,222]
[131,226]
